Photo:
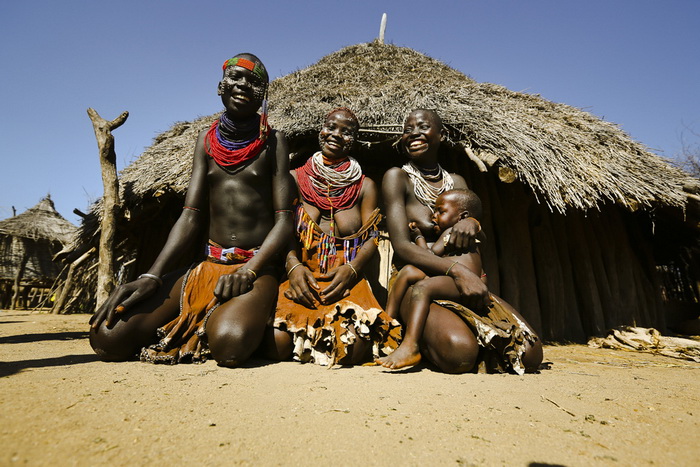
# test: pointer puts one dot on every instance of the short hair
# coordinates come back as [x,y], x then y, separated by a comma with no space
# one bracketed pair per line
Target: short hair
[350,113]
[431,111]
[466,200]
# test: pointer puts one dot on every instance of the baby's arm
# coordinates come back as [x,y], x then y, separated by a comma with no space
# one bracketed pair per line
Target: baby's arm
[442,246]
[439,246]
[417,236]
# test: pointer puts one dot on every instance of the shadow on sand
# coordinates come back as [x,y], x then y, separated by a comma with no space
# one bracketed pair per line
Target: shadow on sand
[47,336]
[10,368]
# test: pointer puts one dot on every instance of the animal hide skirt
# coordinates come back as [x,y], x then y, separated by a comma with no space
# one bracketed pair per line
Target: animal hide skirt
[502,336]
[327,334]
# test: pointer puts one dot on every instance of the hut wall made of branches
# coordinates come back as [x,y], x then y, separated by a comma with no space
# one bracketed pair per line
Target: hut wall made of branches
[28,243]
[571,202]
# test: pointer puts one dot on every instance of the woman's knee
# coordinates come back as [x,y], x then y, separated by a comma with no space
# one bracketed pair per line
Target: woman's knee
[457,353]
[462,354]
[276,345]
[232,343]
[111,345]
[532,358]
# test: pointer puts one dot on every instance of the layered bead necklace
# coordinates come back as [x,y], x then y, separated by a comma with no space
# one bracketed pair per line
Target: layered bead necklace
[252,135]
[425,192]
[330,187]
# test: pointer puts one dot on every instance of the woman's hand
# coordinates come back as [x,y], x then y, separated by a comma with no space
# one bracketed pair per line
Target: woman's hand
[123,298]
[474,292]
[463,235]
[233,285]
[341,280]
[301,282]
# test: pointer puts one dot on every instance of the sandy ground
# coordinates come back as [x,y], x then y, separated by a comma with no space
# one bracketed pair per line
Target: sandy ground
[59,405]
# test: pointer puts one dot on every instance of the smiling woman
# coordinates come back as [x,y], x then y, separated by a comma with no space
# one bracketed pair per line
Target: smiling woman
[240,195]
[336,220]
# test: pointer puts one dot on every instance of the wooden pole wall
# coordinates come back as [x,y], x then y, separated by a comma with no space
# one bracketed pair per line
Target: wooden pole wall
[571,276]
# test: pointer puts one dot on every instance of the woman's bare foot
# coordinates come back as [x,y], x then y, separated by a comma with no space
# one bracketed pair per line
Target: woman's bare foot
[405,356]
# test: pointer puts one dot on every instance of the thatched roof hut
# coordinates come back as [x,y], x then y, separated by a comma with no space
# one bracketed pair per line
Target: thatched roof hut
[570,199]
[28,243]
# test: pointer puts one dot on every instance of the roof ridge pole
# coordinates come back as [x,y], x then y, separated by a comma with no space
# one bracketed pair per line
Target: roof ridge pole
[382,29]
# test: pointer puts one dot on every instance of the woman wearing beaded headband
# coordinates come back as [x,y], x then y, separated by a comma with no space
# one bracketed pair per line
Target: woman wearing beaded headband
[409,196]
[240,195]
[326,312]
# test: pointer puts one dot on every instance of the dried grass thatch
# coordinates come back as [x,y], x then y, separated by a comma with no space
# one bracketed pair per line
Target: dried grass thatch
[42,222]
[568,157]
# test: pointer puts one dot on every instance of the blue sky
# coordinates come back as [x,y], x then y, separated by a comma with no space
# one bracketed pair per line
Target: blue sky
[632,62]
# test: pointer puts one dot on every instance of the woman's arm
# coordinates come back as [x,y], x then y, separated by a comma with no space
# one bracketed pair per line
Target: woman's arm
[342,278]
[300,277]
[184,232]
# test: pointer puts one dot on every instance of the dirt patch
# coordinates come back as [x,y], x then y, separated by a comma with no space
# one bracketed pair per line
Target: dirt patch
[60,405]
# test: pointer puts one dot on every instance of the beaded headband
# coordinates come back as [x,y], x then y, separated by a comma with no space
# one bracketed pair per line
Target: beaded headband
[256,68]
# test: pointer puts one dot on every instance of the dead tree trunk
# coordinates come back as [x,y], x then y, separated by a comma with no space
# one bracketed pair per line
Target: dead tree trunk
[110,201]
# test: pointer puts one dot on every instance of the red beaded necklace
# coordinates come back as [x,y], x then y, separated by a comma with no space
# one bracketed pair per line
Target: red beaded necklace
[333,197]
[215,145]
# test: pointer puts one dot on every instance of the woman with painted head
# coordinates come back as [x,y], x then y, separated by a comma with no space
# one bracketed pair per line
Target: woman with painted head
[454,344]
[239,196]
[326,312]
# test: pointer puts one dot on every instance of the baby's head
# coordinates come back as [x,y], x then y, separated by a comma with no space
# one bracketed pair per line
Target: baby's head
[455,205]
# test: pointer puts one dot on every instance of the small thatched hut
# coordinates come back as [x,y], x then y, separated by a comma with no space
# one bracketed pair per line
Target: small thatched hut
[580,218]
[28,242]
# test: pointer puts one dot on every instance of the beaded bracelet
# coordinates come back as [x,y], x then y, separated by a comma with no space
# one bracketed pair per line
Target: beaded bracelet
[152,277]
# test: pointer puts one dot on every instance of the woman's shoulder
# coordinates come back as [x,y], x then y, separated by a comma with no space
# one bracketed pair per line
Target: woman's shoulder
[458,180]
[395,172]
[395,175]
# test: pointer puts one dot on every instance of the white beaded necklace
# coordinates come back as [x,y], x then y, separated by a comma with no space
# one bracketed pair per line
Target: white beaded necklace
[424,191]
[333,178]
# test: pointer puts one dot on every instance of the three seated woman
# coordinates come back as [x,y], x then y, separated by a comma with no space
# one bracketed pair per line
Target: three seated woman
[241,194]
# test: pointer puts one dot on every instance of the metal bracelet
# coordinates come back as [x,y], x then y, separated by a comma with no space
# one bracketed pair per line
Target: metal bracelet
[447,273]
[353,269]
[152,277]
[293,268]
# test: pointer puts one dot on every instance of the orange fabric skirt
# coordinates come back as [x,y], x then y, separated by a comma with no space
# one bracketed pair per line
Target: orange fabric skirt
[182,339]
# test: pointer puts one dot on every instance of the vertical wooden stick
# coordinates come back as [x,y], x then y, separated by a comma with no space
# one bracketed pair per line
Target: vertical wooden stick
[382,29]
[110,200]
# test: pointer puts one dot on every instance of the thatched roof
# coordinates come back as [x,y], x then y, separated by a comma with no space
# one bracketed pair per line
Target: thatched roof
[568,157]
[42,222]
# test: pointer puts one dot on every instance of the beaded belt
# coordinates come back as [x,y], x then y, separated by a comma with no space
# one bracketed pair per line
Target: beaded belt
[233,255]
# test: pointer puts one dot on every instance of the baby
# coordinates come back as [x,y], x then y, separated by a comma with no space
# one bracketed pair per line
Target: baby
[450,207]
